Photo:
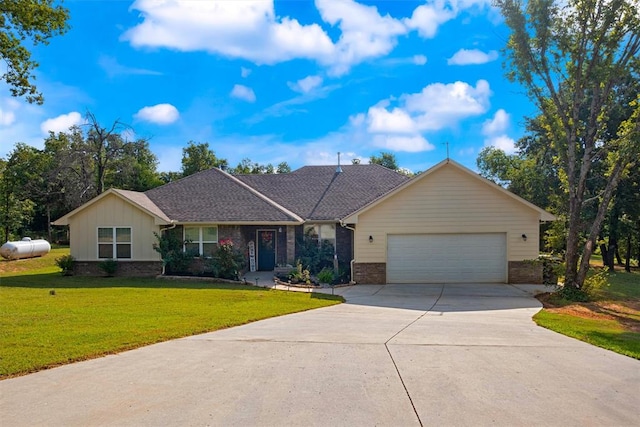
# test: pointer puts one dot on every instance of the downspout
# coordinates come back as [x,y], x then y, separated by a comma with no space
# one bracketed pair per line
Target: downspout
[342,224]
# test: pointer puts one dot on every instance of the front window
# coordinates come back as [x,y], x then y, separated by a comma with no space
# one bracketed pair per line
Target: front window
[201,240]
[114,242]
[321,232]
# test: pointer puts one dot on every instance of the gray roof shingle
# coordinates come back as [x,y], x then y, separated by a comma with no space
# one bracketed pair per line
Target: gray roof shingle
[318,193]
[215,196]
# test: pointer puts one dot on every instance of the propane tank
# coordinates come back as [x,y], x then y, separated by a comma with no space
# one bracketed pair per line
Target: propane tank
[25,248]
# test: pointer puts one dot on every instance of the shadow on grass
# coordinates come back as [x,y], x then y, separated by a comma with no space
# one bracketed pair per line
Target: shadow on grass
[55,280]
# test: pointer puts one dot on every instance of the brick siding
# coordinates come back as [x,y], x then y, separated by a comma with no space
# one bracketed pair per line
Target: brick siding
[370,272]
[525,272]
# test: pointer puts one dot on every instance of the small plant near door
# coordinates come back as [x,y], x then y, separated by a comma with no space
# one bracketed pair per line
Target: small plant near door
[227,261]
[300,274]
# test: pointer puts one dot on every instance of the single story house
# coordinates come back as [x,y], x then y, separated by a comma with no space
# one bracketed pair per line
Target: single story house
[447,224]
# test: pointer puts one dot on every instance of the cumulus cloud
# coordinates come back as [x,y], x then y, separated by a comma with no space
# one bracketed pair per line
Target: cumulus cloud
[400,124]
[494,130]
[243,92]
[251,30]
[503,142]
[62,123]
[498,124]
[472,57]
[244,72]
[161,114]
[306,85]
[241,29]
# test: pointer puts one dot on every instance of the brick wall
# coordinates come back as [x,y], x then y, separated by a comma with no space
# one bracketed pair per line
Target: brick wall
[525,272]
[370,272]
[125,268]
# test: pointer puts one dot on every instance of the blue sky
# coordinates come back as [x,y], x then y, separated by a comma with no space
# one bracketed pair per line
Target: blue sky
[294,81]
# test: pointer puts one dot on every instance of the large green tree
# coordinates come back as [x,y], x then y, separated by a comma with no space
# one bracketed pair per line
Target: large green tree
[24,24]
[579,60]
[197,157]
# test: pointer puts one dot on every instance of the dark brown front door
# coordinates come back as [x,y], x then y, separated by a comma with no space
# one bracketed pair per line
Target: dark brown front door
[266,250]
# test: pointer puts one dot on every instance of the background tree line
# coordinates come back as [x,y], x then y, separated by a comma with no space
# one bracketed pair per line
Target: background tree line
[40,185]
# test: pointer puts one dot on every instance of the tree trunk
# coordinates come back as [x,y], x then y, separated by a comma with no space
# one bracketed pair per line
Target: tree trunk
[627,262]
[573,238]
[605,255]
[49,223]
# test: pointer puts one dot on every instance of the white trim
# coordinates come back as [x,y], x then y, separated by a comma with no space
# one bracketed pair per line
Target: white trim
[201,240]
[114,243]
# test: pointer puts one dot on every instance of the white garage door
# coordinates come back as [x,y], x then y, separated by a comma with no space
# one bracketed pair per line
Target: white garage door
[447,258]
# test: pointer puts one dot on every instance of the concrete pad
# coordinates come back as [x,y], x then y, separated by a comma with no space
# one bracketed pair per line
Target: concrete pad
[578,385]
[196,382]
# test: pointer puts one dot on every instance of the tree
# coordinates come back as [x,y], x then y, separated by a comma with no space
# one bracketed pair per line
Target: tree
[579,62]
[386,159]
[198,157]
[283,167]
[29,22]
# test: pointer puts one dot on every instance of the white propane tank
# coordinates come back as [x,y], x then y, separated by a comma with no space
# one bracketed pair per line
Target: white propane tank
[26,248]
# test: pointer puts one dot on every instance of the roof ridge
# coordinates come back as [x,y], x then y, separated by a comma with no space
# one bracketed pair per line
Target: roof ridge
[262,196]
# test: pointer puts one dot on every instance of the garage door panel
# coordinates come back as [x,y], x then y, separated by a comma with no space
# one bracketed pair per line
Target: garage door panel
[446,258]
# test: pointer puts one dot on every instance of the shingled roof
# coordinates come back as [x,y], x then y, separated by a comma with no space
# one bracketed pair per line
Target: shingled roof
[217,197]
[318,193]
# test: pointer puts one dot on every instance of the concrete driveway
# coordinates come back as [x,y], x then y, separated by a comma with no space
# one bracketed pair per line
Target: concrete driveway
[396,355]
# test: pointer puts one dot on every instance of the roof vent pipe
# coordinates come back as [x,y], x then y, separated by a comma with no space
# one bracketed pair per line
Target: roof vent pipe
[338,169]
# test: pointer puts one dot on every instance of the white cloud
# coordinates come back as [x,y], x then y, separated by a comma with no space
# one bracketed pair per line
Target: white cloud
[472,57]
[7,117]
[251,30]
[161,114]
[441,105]
[503,142]
[62,123]
[244,72]
[380,120]
[243,92]
[419,59]
[365,33]
[495,131]
[498,124]
[306,85]
[411,144]
[240,29]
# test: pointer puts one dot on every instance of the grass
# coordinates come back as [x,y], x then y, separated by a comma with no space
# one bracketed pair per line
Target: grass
[92,317]
[610,320]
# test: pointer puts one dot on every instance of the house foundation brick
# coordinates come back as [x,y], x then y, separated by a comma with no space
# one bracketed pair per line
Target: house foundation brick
[525,272]
[370,272]
[125,268]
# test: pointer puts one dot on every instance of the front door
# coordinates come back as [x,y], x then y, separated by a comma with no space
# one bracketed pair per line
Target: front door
[266,250]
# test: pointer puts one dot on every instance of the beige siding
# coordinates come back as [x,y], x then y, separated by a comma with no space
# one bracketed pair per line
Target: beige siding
[447,201]
[112,211]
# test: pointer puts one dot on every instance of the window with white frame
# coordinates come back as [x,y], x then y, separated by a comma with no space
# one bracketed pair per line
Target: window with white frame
[321,232]
[201,240]
[114,242]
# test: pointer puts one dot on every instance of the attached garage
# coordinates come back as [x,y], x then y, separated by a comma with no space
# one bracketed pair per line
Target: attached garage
[447,225]
[447,258]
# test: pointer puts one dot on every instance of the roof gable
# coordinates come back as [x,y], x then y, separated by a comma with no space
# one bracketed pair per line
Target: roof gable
[137,199]
[448,163]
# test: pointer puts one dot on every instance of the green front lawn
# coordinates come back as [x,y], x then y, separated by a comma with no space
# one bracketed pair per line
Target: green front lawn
[91,317]
[610,320]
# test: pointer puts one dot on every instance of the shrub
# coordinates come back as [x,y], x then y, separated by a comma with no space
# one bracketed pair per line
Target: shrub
[66,263]
[227,261]
[109,266]
[315,255]
[325,275]
[300,274]
[170,247]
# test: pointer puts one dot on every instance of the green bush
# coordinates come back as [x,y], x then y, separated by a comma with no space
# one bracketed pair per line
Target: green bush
[325,275]
[170,247]
[314,255]
[227,261]
[109,266]
[66,263]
